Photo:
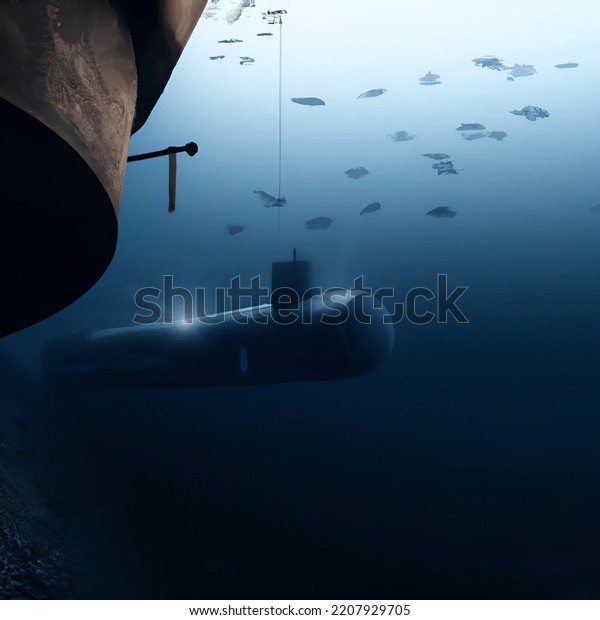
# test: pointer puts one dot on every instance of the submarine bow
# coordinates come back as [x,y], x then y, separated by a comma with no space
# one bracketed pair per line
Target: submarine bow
[77,77]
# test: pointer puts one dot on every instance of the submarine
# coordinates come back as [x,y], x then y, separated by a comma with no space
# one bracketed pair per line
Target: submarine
[77,78]
[331,335]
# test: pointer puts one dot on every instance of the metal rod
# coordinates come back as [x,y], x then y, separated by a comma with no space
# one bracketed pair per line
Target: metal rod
[191,148]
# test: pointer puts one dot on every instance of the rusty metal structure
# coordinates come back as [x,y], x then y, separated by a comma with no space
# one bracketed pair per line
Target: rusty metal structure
[77,77]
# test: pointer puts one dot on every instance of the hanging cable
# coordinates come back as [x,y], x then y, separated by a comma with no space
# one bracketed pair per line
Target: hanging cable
[274,17]
[280,76]
[172,180]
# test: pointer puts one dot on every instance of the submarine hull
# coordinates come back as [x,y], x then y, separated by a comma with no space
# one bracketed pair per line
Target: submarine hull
[249,346]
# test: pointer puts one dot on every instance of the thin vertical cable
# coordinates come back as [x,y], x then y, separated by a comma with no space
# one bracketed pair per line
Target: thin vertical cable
[280,74]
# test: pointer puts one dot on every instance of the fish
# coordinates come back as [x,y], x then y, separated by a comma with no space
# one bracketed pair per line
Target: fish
[429,78]
[531,112]
[318,223]
[436,155]
[312,101]
[474,136]
[444,167]
[270,201]
[401,136]
[246,60]
[231,41]
[374,92]
[470,127]
[497,135]
[441,212]
[567,65]
[216,57]
[371,208]
[491,62]
[264,34]
[234,229]
[264,196]
[522,70]
[356,173]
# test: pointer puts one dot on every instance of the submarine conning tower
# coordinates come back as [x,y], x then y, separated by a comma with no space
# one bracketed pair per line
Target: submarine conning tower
[293,276]
[77,77]
[304,334]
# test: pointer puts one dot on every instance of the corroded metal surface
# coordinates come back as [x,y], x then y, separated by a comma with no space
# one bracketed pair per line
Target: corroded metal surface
[75,77]
[159,30]
[71,65]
